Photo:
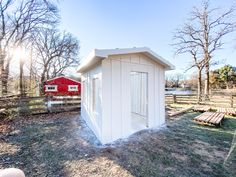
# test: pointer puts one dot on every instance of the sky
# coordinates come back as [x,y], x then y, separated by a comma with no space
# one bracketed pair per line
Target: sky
[106,24]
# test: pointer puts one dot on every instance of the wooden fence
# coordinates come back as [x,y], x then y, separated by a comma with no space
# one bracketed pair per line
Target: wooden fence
[217,100]
[39,105]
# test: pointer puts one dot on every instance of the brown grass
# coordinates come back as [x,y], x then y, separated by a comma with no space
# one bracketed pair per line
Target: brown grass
[62,145]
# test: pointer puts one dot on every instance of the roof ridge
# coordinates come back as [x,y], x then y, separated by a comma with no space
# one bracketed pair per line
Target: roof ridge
[64,77]
[99,54]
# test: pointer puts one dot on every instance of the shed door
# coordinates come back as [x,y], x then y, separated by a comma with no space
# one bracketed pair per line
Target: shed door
[139,93]
[139,100]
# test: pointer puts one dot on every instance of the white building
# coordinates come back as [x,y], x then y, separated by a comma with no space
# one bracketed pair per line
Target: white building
[123,91]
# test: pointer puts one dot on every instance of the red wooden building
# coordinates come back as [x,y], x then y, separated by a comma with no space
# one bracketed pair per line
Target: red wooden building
[61,86]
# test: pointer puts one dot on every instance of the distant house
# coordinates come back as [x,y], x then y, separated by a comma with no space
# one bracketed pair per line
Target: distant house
[123,91]
[62,86]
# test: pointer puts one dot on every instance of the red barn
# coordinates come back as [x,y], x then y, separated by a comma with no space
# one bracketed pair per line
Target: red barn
[62,86]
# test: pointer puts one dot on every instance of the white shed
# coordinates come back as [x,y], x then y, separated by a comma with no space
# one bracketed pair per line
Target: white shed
[123,91]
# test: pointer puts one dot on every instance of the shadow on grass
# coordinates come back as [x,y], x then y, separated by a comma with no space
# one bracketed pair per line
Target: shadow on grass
[66,147]
[44,146]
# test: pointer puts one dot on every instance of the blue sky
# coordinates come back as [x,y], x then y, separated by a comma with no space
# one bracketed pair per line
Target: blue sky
[136,23]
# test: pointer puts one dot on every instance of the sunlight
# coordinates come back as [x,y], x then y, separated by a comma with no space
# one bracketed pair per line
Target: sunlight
[19,53]
[8,148]
[94,165]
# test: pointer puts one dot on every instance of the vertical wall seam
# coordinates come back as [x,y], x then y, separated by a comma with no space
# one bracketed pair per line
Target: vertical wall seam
[111,100]
[121,94]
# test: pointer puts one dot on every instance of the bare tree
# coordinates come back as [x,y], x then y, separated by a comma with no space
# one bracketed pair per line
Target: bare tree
[199,64]
[55,52]
[183,46]
[18,20]
[215,26]
[205,30]
[174,80]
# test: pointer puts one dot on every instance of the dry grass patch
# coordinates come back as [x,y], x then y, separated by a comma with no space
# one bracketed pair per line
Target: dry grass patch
[62,145]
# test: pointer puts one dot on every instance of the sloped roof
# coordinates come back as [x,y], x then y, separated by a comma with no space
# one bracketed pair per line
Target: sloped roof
[98,54]
[58,77]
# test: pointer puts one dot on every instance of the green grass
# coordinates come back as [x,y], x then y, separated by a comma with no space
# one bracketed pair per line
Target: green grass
[64,146]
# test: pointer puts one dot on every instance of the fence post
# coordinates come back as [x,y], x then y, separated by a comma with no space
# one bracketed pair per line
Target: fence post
[174,98]
[231,101]
[65,101]
[48,104]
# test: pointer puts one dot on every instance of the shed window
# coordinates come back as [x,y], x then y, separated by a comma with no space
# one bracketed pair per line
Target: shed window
[72,87]
[84,92]
[51,88]
[96,87]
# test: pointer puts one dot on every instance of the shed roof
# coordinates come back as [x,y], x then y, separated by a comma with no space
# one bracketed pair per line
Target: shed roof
[98,54]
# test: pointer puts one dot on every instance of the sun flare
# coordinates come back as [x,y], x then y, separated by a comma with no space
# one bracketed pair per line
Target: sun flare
[19,53]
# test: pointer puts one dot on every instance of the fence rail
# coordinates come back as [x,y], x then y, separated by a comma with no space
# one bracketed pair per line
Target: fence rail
[39,105]
[51,104]
[217,100]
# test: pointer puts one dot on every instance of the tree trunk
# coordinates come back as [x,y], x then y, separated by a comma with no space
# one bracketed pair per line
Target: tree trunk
[227,85]
[21,78]
[207,84]
[5,76]
[199,88]
[1,77]
[42,81]
[1,71]
[31,75]
[4,83]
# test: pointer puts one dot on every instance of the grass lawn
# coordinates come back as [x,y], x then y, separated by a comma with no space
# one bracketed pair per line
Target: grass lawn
[62,145]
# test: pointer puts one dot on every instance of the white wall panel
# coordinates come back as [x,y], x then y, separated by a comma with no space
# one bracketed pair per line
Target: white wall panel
[157,96]
[116,122]
[134,58]
[162,95]
[126,99]
[92,118]
[106,101]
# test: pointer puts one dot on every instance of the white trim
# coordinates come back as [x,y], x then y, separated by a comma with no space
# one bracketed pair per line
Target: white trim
[98,54]
[49,90]
[63,77]
[72,89]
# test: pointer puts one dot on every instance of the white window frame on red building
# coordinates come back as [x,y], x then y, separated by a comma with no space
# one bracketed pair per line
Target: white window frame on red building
[51,90]
[73,89]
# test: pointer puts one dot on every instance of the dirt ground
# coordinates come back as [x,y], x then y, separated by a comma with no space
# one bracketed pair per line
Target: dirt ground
[62,145]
